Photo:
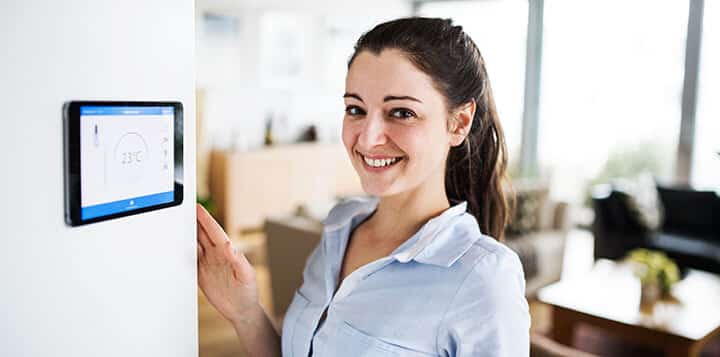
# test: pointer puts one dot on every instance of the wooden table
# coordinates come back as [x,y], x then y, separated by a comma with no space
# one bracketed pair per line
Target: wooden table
[608,297]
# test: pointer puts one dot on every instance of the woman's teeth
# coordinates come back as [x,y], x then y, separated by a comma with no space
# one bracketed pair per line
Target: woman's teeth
[380,162]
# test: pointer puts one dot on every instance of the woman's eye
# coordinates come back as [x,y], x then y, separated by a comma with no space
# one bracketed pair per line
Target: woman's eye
[354,110]
[402,113]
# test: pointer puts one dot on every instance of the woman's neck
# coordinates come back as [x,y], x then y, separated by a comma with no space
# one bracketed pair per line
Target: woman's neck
[399,216]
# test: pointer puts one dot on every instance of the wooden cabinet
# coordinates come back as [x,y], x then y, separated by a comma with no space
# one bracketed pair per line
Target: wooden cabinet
[250,186]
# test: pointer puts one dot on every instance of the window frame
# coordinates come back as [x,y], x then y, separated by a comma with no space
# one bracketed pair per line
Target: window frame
[529,163]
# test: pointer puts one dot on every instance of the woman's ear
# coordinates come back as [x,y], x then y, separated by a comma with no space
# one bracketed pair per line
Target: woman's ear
[461,122]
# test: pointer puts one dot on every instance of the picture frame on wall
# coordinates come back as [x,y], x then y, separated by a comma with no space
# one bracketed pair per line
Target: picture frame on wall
[283,52]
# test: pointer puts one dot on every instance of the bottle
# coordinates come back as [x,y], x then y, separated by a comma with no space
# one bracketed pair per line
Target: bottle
[269,140]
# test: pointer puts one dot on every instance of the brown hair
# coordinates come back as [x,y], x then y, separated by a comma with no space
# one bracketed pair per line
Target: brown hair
[476,170]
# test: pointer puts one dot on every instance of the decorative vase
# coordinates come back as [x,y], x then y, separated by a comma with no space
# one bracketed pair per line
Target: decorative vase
[650,293]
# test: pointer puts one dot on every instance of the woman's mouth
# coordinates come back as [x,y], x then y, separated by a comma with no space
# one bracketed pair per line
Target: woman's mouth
[379,163]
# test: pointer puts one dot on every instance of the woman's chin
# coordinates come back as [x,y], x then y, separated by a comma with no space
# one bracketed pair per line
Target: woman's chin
[378,190]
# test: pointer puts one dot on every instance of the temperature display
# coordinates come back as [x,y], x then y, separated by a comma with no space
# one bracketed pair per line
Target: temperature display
[126,159]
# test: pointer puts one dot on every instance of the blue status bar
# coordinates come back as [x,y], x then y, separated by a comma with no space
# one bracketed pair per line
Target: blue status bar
[115,110]
[130,204]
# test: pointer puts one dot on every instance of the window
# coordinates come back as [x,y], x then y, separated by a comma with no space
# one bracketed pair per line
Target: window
[499,29]
[611,84]
[706,152]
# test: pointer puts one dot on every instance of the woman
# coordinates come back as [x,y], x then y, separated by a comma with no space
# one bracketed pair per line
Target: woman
[407,272]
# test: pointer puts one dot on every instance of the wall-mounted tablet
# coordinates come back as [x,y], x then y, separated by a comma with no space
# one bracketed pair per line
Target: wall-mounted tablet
[121,158]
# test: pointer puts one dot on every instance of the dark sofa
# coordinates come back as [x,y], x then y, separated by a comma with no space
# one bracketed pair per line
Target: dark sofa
[689,234]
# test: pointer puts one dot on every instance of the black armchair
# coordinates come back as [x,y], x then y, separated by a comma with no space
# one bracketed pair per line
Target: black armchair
[690,232]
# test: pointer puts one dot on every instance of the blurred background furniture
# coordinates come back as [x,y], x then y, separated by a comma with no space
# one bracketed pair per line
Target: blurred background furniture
[290,240]
[248,186]
[689,233]
[608,298]
[543,346]
[538,233]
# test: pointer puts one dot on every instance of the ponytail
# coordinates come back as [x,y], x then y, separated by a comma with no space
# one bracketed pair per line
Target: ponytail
[476,170]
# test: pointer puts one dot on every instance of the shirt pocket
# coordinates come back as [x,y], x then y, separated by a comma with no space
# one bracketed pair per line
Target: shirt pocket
[352,342]
[292,334]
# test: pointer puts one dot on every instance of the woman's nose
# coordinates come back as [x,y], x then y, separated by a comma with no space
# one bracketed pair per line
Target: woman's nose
[373,131]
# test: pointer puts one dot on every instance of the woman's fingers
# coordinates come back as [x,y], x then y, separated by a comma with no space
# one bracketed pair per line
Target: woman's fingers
[242,270]
[200,250]
[211,237]
[214,247]
[203,238]
[203,242]
[229,252]
[212,228]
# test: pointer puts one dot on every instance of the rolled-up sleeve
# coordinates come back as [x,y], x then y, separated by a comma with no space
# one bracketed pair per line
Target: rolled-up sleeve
[489,314]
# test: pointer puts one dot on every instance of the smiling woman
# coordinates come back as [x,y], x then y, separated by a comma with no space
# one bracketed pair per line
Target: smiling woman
[416,269]
[393,112]
[411,74]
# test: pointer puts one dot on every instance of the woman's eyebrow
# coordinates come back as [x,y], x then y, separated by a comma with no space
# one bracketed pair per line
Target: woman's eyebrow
[353,95]
[386,99]
[401,97]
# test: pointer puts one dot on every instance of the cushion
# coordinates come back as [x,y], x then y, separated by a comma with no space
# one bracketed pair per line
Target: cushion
[528,257]
[641,198]
[530,200]
[691,212]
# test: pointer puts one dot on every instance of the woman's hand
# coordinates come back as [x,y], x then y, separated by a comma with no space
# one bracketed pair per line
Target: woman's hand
[224,275]
[228,281]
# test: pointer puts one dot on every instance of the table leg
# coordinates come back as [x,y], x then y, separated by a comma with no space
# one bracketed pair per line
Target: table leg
[563,325]
[683,350]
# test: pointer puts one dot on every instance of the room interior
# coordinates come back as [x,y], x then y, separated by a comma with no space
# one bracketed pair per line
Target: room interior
[609,131]
[607,107]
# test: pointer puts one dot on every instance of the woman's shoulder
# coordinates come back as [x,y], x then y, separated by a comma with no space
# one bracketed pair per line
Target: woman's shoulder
[488,313]
[490,250]
[487,259]
[482,249]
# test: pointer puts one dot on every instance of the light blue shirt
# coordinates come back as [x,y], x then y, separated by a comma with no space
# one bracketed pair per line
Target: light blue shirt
[449,290]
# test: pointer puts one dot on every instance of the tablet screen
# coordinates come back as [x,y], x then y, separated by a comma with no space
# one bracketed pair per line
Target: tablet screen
[127,160]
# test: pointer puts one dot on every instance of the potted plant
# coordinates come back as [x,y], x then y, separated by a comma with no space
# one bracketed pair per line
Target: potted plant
[656,271]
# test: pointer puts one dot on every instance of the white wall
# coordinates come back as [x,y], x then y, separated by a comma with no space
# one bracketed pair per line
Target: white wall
[233,73]
[125,287]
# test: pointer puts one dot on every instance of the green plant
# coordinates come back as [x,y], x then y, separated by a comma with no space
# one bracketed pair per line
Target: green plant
[629,161]
[654,267]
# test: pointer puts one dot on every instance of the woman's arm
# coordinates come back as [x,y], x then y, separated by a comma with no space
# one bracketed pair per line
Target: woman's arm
[257,334]
[228,281]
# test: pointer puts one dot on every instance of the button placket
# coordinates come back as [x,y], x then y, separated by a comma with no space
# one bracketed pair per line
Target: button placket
[346,287]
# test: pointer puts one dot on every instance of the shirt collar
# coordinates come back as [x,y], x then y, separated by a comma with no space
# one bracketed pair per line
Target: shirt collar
[345,212]
[440,241]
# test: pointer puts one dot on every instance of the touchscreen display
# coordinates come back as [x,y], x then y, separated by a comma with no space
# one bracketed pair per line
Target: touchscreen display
[126,158]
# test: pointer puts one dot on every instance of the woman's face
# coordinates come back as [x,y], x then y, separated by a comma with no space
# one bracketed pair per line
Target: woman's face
[395,128]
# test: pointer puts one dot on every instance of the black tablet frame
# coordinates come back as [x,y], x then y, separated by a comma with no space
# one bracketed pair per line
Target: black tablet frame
[72,164]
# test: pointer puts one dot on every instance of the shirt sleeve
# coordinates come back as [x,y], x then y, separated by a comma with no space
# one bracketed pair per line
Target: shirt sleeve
[489,314]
